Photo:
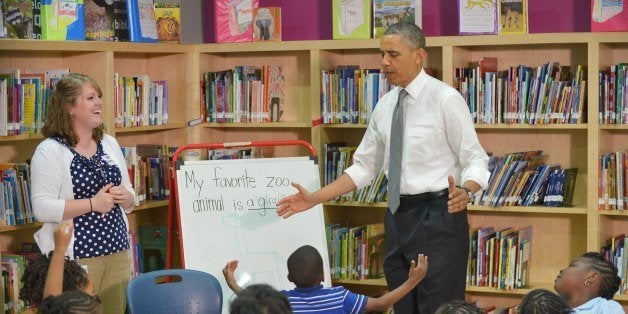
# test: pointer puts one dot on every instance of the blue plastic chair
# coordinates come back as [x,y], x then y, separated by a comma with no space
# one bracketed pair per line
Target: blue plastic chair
[174,291]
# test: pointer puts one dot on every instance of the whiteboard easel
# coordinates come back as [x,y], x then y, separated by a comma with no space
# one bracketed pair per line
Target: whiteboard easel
[225,209]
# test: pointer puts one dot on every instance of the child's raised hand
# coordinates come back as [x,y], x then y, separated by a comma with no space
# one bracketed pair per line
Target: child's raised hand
[63,234]
[229,272]
[418,269]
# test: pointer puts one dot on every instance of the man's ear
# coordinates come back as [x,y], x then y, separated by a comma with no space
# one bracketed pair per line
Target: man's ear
[421,54]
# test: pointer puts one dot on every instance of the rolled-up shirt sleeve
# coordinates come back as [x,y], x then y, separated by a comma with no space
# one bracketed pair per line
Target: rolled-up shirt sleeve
[461,134]
[367,157]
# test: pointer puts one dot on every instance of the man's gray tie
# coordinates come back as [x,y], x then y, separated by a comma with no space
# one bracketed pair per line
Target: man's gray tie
[394,162]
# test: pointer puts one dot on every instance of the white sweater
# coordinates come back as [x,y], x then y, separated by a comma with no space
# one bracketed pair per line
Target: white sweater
[51,186]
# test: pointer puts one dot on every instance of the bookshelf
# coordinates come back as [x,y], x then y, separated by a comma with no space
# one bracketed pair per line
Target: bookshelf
[560,234]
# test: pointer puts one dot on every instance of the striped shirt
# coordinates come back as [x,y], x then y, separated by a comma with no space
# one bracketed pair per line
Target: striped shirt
[325,300]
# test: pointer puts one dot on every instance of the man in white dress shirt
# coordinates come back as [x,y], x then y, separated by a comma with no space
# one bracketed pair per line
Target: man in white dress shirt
[442,166]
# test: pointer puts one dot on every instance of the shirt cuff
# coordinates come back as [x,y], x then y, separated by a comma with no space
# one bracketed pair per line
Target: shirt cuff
[478,175]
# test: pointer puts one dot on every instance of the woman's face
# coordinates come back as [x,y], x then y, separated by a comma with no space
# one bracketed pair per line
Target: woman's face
[573,276]
[87,112]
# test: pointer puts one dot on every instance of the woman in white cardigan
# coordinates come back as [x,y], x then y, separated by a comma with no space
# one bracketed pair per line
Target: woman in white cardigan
[79,173]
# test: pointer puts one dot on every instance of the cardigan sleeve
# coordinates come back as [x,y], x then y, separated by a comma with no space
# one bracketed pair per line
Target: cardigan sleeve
[47,182]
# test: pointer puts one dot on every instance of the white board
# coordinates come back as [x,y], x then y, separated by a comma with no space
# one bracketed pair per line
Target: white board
[227,211]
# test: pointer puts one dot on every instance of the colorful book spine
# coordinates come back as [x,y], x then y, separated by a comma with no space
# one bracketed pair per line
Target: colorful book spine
[267,24]
[351,19]
[142,24]
[62,20]
[168,19]
[233,20]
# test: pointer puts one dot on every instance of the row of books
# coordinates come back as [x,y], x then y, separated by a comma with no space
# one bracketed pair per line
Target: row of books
[546,94]
[15,201]
[524,179]
[138,101]
[149,168]
[356,252]
[499,258]
[234,153]
[135,20]
[338,156]
[613,181]
[614,250]
[493,17]
[118,20]
[13,266]
[243,94]
[23,98]
[349,94]
[613,93]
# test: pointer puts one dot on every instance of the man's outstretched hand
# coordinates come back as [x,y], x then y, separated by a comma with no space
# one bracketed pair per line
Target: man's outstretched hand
[295,203]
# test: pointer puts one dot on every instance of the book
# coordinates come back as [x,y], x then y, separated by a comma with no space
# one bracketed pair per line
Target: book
[351,19]
[18,18]
[376,248]
[523,257]
[120,20]
[267,24]
[36,19]
[3,32]
[62,20]
[233,20]
[99,23]
[477,17]
[276,93]
[142,24]
[168,19]
[193,16]
[609,16]
[513,16]
[388,12]
[153,243]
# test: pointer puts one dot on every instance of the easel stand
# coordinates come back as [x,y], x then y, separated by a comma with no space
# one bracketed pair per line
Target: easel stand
[173,208]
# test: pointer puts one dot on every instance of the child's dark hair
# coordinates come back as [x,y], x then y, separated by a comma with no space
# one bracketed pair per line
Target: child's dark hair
[34,278]
[71,302]
[458,307]
[608,274]
[305,267]
[541,301]
[260,299]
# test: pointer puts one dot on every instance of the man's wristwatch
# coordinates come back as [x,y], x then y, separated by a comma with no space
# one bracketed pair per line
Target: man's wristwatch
[469,192]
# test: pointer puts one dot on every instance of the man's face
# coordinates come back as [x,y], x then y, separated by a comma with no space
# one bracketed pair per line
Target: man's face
[400,61]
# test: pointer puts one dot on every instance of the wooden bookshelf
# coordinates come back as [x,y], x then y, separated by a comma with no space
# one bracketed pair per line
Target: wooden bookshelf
[560,234]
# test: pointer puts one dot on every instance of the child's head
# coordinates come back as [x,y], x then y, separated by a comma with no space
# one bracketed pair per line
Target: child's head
[71,302]
[590,275]
[458,307]
[305,267]
[541,301]
[260,299]
[34,279]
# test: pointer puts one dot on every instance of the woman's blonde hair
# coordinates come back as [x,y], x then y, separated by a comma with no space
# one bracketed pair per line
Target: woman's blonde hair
[58,121]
